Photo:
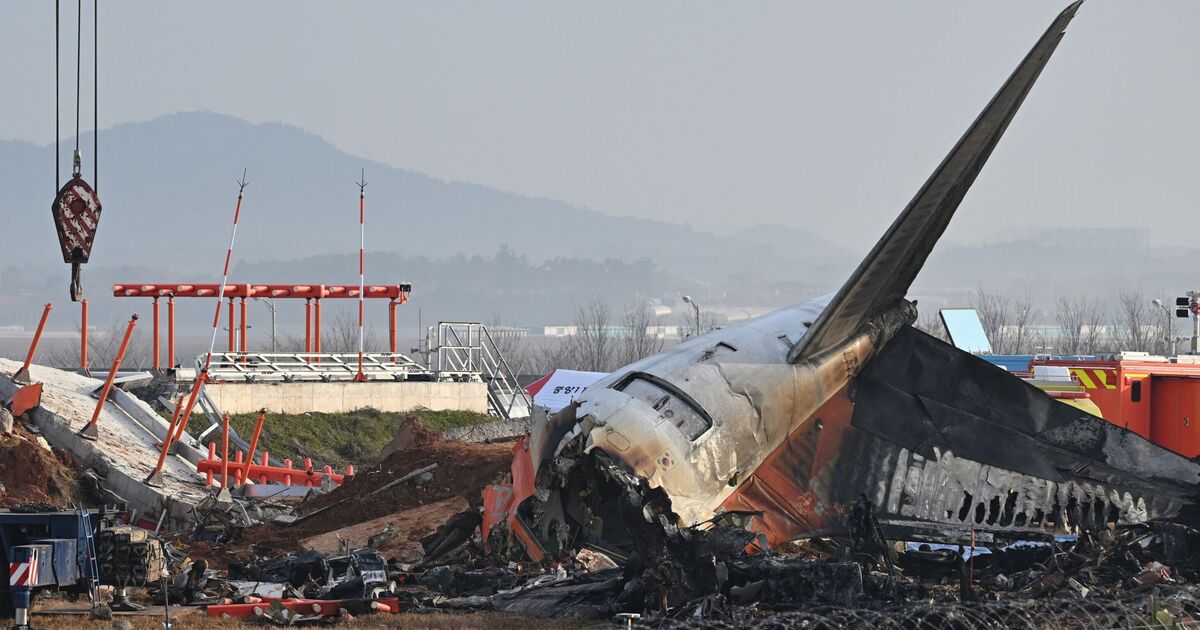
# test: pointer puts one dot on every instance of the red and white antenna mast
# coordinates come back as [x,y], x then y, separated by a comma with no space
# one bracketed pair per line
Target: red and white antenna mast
[362,187]
[180,420]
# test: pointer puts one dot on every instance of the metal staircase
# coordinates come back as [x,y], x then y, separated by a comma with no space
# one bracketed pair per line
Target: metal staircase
[466,351]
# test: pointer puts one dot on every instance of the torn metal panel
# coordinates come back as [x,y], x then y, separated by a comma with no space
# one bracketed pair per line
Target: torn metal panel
[1005,459]
[502,525]
[591,596]
[975,446]
[794,582]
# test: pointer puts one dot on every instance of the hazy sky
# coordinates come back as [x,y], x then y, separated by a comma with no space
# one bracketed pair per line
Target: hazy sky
[820,116]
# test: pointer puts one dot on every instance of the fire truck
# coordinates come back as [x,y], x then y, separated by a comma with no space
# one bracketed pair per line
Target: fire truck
[1154,396]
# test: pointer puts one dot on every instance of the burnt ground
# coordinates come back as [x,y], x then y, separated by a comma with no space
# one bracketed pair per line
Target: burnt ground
[463,470]
[151,619]
[32,474]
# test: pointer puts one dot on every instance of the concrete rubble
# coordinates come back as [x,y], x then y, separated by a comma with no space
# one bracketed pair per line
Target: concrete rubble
[128,443]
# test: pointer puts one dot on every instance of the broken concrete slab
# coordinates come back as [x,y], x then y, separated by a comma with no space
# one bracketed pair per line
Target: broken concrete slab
[126,450]
[409,526]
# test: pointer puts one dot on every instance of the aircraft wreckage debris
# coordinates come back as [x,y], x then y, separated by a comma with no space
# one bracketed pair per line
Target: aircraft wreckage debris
[823,466]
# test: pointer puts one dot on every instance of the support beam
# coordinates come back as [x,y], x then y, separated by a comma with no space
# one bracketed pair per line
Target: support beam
[176,428]
[154,344]
[22,375]
[308,325]
[224,495]
[244,328]
[89,430]
[250,290]
[83,337]
[170,332]
[258,425]
[317,328]
[232,327]
[392,326]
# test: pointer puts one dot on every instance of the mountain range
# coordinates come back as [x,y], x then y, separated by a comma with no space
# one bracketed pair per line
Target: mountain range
[470,251]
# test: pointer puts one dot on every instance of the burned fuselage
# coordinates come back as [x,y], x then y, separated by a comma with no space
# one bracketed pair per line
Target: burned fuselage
[940,442]
[700,418]
[790,419]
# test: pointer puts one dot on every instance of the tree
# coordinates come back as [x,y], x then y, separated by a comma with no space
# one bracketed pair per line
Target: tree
[552,354]
[638,343]
[1136,324]
[1081,325]
[1018,338]
[592,341]
[102,349]
[994,313]
[511,343]
[340,334]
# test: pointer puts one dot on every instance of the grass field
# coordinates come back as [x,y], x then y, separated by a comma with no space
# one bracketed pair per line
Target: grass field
[335,439]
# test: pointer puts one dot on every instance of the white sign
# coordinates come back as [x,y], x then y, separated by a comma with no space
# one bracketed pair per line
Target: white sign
[558,388]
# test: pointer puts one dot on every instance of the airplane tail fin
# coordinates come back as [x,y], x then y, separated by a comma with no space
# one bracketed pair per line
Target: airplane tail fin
[885,275]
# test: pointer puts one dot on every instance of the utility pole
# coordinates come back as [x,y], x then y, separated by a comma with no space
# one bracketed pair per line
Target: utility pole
[1195,308]
[271,305]
[1168,334]
[696,307]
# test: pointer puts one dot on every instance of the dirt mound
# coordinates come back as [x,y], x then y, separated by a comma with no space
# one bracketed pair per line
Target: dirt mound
[31,474]
[463,470]
[411,434]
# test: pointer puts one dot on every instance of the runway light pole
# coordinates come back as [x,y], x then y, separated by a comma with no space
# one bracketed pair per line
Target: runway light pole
[362,244]
[271,305]
[695,307]
[1167,332]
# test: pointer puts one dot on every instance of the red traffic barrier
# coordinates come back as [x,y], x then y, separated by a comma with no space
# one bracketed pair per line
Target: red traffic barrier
[214,467]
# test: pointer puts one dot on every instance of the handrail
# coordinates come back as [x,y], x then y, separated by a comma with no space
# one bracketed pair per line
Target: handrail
[479,354]
[327,366]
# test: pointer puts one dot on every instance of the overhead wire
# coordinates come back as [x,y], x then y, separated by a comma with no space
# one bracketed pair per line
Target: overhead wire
[96,95]
[78,73]
[57,135]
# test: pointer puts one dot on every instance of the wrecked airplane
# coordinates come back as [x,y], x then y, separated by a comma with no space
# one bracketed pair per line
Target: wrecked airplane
[790,423]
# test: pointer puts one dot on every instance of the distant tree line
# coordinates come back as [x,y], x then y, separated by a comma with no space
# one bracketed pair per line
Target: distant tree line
[602,342]
[1071,326]
[605,340]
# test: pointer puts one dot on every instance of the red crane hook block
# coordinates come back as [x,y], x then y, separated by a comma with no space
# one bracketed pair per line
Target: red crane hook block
[76,211]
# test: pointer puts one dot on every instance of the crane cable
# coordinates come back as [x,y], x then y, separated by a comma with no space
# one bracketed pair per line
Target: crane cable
[77,160]
[76,231]
[77,156]
[96,95]
[57,116]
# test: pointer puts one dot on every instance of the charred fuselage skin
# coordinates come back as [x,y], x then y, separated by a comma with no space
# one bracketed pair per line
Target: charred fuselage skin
[725,422]
[699,418]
